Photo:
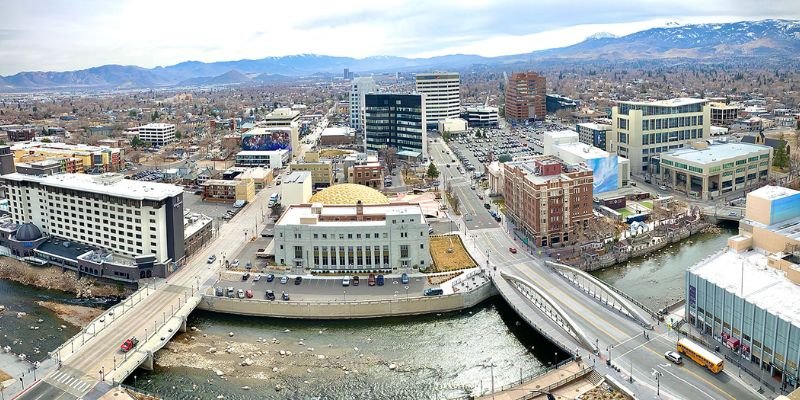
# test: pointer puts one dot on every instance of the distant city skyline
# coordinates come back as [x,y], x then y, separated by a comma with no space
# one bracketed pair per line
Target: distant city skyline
[63,35]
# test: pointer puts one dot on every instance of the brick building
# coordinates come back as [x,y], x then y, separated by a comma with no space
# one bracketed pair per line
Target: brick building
[526,96]
[546,199]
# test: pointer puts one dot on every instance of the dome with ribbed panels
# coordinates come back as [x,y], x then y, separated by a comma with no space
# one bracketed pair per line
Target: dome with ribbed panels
[28,232]
[349,194]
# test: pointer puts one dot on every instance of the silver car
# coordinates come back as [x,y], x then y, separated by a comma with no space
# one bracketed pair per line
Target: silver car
[674,357]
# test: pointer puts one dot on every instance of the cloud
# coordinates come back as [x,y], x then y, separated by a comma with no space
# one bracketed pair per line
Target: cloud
[71,35]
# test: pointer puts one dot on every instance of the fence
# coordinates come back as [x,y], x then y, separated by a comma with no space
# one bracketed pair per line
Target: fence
[535,376]
[558,384]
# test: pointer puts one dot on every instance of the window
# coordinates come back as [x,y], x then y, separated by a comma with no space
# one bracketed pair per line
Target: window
[404,251]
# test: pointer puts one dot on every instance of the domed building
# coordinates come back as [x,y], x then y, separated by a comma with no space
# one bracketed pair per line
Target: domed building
[349,194]
[28,232]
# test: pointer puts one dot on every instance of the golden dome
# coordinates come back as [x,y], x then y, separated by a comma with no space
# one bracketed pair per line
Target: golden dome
[349,194]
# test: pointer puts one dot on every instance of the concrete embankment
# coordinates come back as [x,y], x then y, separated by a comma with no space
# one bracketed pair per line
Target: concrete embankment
[348,309]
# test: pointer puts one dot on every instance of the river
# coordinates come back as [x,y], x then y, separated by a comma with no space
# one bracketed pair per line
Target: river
[438,356]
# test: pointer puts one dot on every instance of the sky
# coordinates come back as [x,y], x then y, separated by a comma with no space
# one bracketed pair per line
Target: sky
[61,35]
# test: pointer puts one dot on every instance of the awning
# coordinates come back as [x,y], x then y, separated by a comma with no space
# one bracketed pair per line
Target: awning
[733,342]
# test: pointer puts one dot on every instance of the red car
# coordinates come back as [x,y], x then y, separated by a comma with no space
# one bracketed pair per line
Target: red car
[371,280]
[129,344]
[512,250]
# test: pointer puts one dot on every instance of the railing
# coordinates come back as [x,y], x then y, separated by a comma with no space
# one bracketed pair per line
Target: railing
[557,385]
[130,301]
[535,376]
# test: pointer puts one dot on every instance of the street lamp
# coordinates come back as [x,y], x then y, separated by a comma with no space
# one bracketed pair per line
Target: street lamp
[658,383]
[406,292]
[344,295]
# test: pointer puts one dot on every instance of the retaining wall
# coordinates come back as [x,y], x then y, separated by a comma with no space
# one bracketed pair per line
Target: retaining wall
[348,309]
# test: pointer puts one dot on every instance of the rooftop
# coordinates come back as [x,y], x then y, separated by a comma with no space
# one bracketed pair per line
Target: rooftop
[297,177]
[268,130]
[260,152]
[561,133]
[193,223]
[65,248]
[108,184]
[337,131]
[582,150]
[715,152]
[771,192]
[595,126]
[294,213]
[676,102]
[766,287]
[220,182]
[157,125]
[59,147]
[349,194]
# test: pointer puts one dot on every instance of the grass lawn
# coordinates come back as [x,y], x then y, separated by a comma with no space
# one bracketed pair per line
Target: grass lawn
[4,376]
[647,203]
[625,212]
[443,260]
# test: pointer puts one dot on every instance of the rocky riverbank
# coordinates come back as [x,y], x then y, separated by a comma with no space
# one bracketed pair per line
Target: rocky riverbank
[78,316]
[56,278]
[280,364]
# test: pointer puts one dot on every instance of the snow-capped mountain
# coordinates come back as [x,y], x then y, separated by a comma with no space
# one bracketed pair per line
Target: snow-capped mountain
[739,39]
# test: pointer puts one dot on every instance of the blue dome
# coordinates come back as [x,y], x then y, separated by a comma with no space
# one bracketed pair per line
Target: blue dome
[28,232]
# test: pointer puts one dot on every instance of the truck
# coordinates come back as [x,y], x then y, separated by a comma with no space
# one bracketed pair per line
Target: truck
[274,200]
[129,344]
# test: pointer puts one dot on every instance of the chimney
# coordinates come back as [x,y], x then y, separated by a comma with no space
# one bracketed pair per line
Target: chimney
[359,211]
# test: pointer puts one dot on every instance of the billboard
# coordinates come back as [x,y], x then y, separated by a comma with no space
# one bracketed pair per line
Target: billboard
[267,140]
[605,171]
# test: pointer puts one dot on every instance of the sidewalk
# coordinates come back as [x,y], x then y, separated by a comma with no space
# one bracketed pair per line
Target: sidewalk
[17,368]
[736,367]
[544,381]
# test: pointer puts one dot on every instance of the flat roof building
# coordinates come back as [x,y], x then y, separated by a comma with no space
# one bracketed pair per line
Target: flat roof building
[274,159]
[360,87]
[133,219]
[296,188]
[356,238]
[525,99]
[593,134]
[397,121]
[442,92]
[281,118]
[482,117]
[546,199]
[747,296]
[642,129]
[157,134]
[707,171]
[92,158]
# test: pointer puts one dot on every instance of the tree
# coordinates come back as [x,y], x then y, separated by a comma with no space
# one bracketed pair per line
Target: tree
[389,155]
[47,140]
[433,172]
[504,158]
[155,115]
[136,142]
[780,158]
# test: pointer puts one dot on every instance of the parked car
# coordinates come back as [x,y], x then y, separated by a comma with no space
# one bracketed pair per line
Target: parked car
[284,280]
[212,258]
[346,281]
[379,280]
[371,280]
[245,276]
[257,278]
[298,280]
[404,278]
[240,293]
[662,187]
[270,277]
[433,292]
[355,280]
[235,263]
[248,293]
[285,296]
[270,295]
[218,291]
[231,292]
[674,357]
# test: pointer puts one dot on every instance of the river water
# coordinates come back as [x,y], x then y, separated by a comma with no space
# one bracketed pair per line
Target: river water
[438,356]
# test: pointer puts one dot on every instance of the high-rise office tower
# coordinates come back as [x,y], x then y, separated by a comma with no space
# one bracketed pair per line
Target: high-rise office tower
[526,94]
[442,95]
[396,120]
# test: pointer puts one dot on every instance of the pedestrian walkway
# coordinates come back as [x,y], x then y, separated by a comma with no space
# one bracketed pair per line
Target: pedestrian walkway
[571,377]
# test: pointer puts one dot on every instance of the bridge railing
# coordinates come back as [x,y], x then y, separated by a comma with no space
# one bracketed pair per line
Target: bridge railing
[534,376]
[112,313]
[556,385]
[605,285]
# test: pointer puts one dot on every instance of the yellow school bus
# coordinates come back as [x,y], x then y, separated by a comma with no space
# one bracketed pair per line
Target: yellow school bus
[700,355]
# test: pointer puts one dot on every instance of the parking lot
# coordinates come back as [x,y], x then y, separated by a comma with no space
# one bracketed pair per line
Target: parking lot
[327,288]
[195,203]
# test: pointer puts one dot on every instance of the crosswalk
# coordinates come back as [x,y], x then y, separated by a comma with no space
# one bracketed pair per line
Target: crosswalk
[67,381]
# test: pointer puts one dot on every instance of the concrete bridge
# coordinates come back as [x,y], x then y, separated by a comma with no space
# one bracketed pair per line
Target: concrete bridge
[87,365]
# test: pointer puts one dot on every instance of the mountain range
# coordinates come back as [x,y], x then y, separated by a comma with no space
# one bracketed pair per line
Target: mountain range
[766,38]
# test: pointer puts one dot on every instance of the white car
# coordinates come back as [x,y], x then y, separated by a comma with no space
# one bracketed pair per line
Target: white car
[240,293]
[662,187]
[674,357]
[257,278]
[346,281]
[235,263]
